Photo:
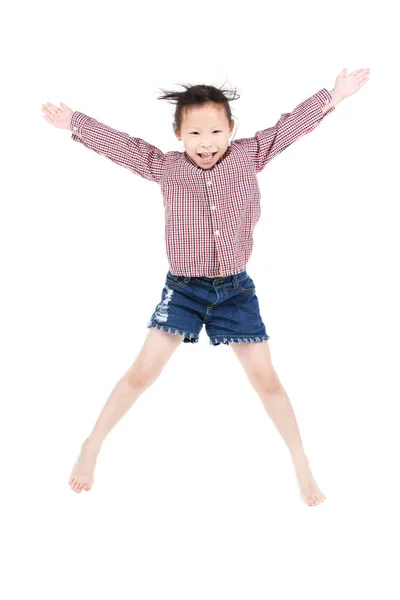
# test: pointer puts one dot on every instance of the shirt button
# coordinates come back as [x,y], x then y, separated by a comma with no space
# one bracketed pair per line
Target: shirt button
[209,182]
[217,232]
[213,207]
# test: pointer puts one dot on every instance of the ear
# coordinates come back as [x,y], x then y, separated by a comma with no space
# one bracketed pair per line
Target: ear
[176,132]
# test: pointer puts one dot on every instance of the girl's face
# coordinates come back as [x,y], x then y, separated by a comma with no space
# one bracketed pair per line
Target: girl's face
[205,129]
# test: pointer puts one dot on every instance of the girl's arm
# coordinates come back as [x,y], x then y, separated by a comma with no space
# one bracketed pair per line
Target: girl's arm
[268,143]
[335,101]
[129,152]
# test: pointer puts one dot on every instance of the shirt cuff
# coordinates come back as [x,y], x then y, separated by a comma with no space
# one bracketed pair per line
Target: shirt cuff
[77,122]
[324,98]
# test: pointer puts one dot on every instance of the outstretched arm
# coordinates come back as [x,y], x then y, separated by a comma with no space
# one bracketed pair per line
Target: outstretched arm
[268,143]
[129,152]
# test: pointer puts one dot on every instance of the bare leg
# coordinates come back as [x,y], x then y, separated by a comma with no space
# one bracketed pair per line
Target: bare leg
[157,349]
[255,358]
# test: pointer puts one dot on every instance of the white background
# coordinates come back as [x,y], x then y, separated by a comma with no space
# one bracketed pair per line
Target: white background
[194,494]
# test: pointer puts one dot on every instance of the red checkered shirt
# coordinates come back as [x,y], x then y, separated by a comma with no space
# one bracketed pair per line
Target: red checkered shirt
[210,214]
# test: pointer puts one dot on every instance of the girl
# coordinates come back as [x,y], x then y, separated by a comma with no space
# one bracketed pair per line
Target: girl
[211,200]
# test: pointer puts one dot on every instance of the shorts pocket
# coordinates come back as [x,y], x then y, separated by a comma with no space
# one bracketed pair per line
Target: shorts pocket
[175,280]
[245,285]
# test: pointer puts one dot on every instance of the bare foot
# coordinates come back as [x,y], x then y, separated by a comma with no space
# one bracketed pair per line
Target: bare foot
[309,490]
[82,473]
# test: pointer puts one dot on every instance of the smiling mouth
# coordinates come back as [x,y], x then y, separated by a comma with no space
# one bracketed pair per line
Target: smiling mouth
[208,157]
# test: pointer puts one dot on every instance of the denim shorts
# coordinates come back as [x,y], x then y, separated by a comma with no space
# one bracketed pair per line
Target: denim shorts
[227,306]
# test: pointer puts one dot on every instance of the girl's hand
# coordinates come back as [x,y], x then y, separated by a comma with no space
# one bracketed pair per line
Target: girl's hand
[59,117]
[346,85]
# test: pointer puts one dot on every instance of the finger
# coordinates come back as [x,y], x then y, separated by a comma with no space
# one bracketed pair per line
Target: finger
[47,112]
[362,77]
[361,71]
[54,108]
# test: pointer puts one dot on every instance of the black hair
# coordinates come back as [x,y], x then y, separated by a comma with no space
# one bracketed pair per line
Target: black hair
[197,95]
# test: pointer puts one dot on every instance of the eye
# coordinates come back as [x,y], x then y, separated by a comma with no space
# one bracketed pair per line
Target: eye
[216,131]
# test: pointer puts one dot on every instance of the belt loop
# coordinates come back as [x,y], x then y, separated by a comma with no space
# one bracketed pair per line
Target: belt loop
[234,281]
[187,279]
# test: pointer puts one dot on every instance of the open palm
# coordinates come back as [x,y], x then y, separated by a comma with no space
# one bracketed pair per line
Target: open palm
[348,84]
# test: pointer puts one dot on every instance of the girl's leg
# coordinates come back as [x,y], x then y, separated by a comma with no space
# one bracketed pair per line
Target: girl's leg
[157,349]
[255,357]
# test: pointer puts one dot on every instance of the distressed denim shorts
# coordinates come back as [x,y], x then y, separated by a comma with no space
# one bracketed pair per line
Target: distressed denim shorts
[227,306]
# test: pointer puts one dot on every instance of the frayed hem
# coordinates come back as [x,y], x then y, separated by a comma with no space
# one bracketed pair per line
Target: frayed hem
[217,341]
[187,337]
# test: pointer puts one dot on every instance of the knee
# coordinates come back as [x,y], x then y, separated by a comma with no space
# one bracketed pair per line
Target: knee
[267,381]
[141,377]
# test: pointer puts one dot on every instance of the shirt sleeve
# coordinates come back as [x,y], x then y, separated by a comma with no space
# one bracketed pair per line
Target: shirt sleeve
[129,152]
[268,143]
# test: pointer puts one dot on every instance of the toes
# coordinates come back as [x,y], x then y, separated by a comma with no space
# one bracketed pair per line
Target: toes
[319,498]
[78,486]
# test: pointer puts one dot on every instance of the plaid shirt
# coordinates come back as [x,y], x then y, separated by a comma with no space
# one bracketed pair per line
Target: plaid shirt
[210,214]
